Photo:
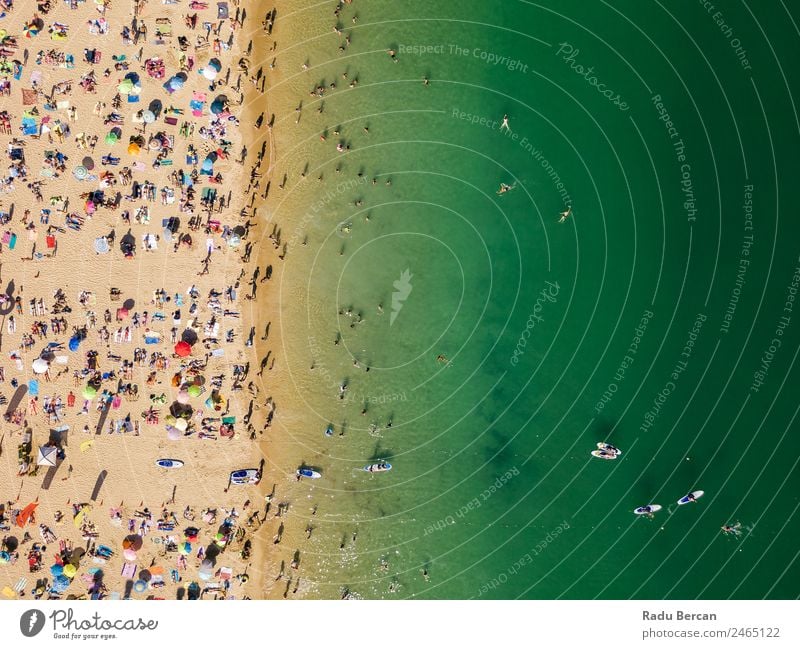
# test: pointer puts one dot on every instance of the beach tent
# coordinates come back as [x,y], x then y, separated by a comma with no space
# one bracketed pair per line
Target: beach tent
[47,456]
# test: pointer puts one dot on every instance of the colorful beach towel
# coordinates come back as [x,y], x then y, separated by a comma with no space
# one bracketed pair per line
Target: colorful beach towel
[197,102]
[28,97]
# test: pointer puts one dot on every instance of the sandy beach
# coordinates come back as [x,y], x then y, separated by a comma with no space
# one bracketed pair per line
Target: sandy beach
[132,264]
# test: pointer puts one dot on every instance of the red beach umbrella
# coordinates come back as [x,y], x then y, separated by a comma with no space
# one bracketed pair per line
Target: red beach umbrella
[183,348]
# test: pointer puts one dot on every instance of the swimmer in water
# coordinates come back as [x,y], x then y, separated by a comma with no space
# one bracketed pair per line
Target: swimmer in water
[735,529]
[605,446]
[505,123]
[505,188]
[563,215]
[647,510]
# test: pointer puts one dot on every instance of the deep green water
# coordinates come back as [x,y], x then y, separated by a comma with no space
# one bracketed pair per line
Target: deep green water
[494,491]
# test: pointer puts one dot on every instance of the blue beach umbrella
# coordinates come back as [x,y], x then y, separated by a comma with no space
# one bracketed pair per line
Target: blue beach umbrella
[60,584]
[56,570]
[74,343]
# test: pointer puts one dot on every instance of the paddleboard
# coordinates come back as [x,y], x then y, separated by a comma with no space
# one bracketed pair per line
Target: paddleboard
[604,455]
[379,467]
[308,473]
[245,476]
[165,463]
[685,499]
[602,445]
[642,510]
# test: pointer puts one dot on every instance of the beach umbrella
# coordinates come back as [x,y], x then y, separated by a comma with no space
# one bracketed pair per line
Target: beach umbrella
[148,116]
[25,514]
[80,172]
[183,348]
[209,73]
[60,584]
[78,519]
[74,343]
[182,425]
[47,456]
[129,554]
[40,366]
[134,149]
[183,396]
[185,548]
[70,571]
[234,241]
[89,392]
[217,106]
[111,138]
[5,557]
[88,162]
[206,570]
[180,410]
[140,586]
[125,86]
[214,64]
[135,540]
[173,434]
[56,570]
[189,336]
[194,391]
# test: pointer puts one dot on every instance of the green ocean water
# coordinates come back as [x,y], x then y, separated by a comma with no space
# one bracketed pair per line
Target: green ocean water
[645,319]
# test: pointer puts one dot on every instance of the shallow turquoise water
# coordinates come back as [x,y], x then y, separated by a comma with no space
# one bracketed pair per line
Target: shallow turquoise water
[493,490]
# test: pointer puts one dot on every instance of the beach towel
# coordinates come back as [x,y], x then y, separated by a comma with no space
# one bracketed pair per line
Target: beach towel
[129,570]
[33,387]
[63,104]
[29,97]
[29,126]
[197,102]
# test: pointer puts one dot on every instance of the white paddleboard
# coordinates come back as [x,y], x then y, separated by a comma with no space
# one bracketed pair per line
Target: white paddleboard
[165,463]
[308,473]
[377,468]
[604,455]
[641,510]
[686,500]
[245,476]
